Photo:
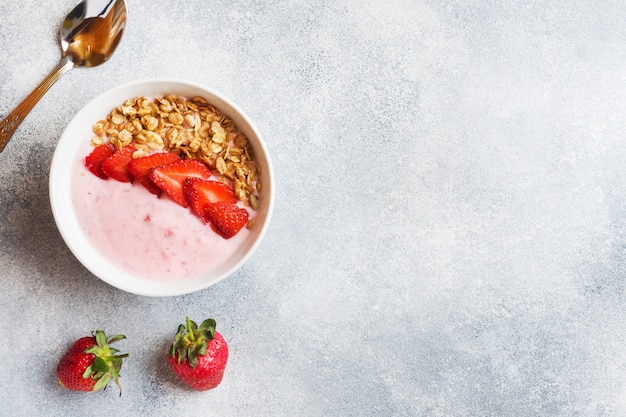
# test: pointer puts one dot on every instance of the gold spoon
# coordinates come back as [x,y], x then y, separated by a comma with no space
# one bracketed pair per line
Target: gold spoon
[89,35]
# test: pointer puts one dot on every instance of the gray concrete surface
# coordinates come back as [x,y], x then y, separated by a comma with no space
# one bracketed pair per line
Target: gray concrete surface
[450,227]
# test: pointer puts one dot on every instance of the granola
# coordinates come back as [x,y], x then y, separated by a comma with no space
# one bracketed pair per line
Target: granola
[190,127]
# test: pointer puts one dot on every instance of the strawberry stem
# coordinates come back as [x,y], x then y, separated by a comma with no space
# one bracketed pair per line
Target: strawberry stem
[190,331]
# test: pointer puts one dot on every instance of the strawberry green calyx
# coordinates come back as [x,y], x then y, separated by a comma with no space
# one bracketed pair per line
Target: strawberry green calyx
[107,362]
[191,341]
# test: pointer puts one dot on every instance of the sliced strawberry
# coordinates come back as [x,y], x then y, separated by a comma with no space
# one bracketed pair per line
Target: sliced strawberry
[200,193]
[93,161]
[140,168]
[227,219]
[171,177]
[116,165]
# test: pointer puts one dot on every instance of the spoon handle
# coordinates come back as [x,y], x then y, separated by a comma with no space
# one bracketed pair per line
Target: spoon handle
[9,124]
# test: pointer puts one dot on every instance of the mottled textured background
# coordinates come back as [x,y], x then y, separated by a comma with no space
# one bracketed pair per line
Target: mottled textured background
[449,235]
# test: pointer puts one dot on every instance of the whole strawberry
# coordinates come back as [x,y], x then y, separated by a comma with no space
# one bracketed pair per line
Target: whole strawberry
[198,355]
[91,363]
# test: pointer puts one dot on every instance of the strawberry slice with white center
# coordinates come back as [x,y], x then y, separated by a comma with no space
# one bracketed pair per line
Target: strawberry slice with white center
[200,193]
[171,177]
[141,168]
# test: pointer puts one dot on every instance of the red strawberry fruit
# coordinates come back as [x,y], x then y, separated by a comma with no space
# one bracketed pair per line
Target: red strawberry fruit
[140,168]
[171,177]
[91,363]
[116,165]
[198,355]
[200,193]
[93,161]
[227,219]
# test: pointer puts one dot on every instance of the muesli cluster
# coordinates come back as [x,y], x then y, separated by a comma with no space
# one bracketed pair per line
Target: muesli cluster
[189,127]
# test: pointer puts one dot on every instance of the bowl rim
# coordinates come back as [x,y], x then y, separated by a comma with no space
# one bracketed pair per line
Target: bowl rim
[60,191]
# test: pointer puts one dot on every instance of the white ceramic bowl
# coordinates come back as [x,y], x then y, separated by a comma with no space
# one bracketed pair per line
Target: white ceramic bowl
[61,172]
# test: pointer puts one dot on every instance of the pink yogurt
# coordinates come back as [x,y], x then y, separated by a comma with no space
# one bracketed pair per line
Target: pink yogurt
[149,236]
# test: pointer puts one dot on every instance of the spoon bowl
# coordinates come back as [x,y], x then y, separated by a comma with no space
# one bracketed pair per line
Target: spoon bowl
[88,36]
[92,30]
